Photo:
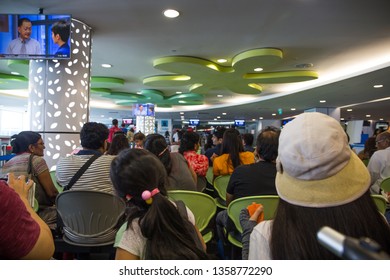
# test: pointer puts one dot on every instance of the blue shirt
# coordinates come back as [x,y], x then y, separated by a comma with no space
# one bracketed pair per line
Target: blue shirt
[63,51]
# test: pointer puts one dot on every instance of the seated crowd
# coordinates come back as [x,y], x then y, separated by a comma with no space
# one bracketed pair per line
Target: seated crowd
[308,164]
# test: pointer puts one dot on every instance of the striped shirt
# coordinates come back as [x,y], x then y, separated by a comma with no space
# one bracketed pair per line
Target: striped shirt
[19,164]
[95,178]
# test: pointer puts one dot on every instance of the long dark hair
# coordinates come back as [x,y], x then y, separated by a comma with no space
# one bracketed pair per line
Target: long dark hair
[119,143]
[168,235]
[20,142]
[295,228]
[156,144]
[232,145]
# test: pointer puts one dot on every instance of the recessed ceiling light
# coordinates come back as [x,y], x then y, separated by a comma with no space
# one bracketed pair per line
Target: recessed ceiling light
[15,73]
[102,116]
[222,60]
[260,118]
[179,92]
[259,69]
[215,119]
[341,119]
[218,117]
[181,113]
[253,120]
[170,13]
[224,114]
[378,86]
[219,95]
[293,109]
[106,65]
[349,110]
[304,65]
[322,101]
[273,114]
[381,119]
[368,116]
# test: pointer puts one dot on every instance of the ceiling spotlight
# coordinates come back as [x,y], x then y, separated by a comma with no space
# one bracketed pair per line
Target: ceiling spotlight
[378,86]
[220,95]
[368,116]
[293,109]
[15,73]
[181,113]
[179,92]
[260,118]
[322,101]
[106,65]
[259,69]
[222,60]
[349,110]
[224,114]
[218,117]
[273,114]
[253,120]
[170,13]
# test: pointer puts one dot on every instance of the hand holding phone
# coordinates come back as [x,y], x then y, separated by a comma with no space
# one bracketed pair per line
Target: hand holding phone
[256,212]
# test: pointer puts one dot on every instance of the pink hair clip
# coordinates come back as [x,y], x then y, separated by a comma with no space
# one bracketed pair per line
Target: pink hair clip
[147,195]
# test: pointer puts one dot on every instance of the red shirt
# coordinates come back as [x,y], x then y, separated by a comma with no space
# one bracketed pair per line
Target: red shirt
[199,163]
[18,230]
[112,130]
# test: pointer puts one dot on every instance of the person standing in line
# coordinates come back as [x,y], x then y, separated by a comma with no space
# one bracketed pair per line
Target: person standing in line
[114,128]
[24,44]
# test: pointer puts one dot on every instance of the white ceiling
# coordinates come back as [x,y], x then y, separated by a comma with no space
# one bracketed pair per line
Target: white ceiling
[347,41]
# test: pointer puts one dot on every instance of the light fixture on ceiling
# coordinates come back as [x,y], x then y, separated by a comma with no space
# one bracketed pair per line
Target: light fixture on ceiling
[381,119]
[181,113]
[219,95]
[273,114]
[106,65]
[222,60]
[258,69]
[293,109]
[349,110]
[224,114]
[171,13]
[253,120]
[260,118]
[368,116]
[218,117]
[179,92]
[322,101]
[15,73]
[378,86]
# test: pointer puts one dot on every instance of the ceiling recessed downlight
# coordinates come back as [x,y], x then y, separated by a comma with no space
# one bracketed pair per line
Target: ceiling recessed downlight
[258,69]
[293,109]
[378,86]
[322,101]
[349,110]
[220,95]
[222,60]
[106,65]
[170,13]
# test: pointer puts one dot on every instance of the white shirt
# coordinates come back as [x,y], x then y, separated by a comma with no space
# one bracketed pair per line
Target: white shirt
[259,241]
[379,168]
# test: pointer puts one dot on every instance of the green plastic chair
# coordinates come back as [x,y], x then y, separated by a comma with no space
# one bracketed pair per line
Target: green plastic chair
[385,185]
[202,206]
[220,185]
[210,175]
[54,179]
[380,202]
[269,202]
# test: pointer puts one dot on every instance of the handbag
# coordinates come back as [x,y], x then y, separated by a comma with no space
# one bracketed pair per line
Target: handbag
[40,194]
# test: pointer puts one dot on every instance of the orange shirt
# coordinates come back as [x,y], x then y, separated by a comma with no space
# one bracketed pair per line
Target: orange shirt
[222,166]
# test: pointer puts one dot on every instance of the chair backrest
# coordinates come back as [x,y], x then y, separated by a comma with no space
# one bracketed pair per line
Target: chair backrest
[269,202]
[201,205]
[210,175]
[380,202]
[90,216]
[220,185]
[385,185]
[54,179]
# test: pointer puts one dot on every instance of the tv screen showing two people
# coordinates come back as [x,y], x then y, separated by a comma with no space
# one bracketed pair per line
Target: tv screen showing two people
[143,110]
[35,36]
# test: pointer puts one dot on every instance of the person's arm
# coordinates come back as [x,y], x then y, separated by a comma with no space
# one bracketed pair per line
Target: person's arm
[229,198]
[44,247]
[247,224]
[122,254]
[47,184]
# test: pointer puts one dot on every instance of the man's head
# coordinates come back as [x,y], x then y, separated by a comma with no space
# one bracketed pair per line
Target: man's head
[60,32]
[139,140]
[24,28]
[93,135]
[267,144]
[383,140]
[115,122]
[218,135]
[247,139]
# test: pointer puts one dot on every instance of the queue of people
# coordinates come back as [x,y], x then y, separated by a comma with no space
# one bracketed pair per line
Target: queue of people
[308,164]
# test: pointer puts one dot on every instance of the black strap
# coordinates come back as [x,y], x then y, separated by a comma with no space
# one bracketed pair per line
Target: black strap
[80,172]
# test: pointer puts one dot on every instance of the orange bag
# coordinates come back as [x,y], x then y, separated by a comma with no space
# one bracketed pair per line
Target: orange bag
[252,208]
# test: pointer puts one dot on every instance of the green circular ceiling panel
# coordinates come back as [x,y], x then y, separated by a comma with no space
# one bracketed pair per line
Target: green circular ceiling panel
[8,81]
[106,82]
[20,66]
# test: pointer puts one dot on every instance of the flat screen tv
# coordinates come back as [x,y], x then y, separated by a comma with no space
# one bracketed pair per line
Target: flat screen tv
[35,36]
[143,110]
[239,123]
[127,121]
[193,122]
